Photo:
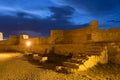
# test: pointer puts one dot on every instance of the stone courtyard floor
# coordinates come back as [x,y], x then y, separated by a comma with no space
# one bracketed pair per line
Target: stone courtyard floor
[19,68]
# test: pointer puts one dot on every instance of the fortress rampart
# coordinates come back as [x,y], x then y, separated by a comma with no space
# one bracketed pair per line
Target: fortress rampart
[65,42]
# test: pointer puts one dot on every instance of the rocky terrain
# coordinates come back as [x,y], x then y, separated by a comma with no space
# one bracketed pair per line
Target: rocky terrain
[19,68]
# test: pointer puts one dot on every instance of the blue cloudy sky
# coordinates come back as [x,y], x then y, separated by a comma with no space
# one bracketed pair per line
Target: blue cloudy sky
[38,17]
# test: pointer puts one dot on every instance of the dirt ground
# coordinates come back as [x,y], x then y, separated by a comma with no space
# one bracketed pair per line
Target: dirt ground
[19,68]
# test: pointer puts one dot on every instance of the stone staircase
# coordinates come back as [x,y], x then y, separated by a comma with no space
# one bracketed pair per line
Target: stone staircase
[92,56]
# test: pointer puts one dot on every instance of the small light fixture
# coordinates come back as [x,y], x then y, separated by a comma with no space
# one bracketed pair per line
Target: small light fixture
[28,43]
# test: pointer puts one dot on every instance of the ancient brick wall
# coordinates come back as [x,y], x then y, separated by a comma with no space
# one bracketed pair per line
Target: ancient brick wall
[74,36]
[5,42]
[114,52]
[68,49]
[45,40]
[13,40]
[57,36]
[41,49]
[34,41]
[106,35]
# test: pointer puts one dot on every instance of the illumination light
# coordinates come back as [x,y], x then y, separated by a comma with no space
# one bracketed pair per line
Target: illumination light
[28,43]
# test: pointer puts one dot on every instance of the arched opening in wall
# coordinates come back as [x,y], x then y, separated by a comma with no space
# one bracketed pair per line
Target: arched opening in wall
[89,37]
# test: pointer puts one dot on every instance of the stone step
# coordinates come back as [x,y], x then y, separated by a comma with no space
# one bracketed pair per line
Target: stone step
[95,47]
[40,59]
[116,46]
[71,70]
[92,49]
[66,69]
[79,61]
[71,65]
[93,53]
[43,59]
[82,65]
[80,56]
[36,57]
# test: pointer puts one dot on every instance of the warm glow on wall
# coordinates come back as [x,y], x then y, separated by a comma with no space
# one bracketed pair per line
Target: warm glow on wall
[28,43]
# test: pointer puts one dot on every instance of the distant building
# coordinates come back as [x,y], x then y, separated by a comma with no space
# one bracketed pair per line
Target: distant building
[1,36]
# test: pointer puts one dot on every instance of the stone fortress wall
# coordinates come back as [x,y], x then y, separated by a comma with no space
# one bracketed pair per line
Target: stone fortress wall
[65,42]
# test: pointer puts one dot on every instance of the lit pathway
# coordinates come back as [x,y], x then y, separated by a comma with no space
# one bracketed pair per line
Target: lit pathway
[16,67]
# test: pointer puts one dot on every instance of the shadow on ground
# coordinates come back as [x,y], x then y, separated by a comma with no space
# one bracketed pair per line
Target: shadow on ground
[51,63]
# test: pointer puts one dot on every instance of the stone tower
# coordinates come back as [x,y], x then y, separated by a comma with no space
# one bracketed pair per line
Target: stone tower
[94,25]
[24,36]
[1,36]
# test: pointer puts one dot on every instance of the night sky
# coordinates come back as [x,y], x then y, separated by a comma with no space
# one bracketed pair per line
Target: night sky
[38,17]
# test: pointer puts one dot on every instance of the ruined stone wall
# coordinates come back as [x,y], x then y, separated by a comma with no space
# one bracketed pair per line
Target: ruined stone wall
[114,52]
[68,49]
[18,43]
[74,36]
[106,35]
[41,49]
[57,36]
[36,41]
[77,36]
[5,42]
[45,40]
[13,40]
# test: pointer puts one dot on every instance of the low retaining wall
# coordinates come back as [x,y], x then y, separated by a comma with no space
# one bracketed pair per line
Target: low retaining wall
[61,49]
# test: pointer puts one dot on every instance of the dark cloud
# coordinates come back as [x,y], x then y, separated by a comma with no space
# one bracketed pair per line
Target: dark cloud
[21,14]
[114,21]
[25,8]
[10,24]
[61,12]
[94,7]
[102,10]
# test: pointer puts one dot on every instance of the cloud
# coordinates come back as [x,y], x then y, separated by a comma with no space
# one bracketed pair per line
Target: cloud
[11,24]
[94,7]
[61,12]
[25,8]
[25,4]
[25,13]
[87,10]
[113,21]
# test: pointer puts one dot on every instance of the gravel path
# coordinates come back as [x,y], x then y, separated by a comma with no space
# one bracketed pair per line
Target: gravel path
[18,68]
